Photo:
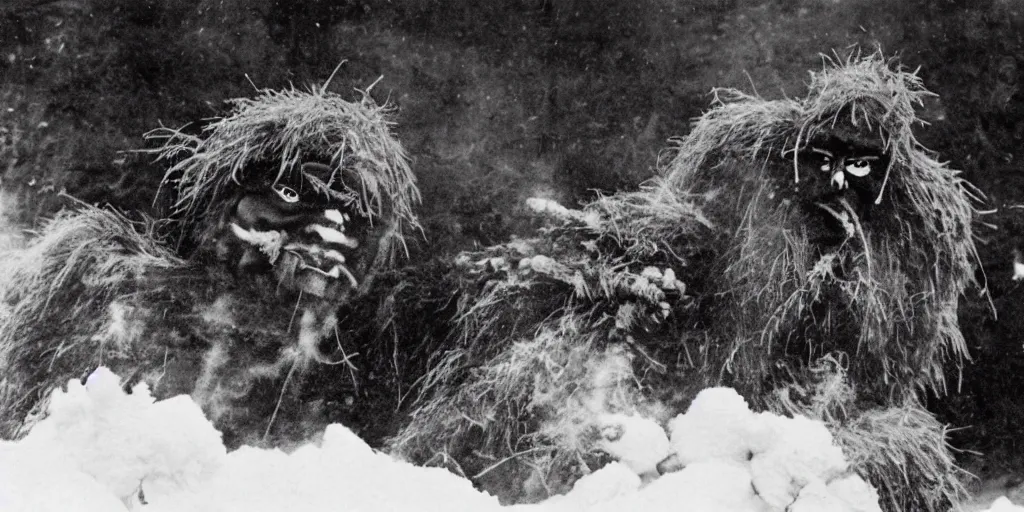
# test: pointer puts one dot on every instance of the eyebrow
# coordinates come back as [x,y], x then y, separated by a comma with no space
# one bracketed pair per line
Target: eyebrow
[869,158]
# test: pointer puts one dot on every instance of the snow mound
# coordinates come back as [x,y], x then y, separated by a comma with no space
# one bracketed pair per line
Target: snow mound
[717,426]
[638,442]
[117,441]
[793,453]
[1004,504]
[102,449]
[343,473]
[789,462]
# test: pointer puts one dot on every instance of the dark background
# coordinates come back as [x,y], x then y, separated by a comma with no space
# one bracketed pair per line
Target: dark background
[498,101]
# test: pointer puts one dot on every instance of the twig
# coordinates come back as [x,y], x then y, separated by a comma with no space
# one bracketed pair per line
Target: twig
[280,399]
[492,467]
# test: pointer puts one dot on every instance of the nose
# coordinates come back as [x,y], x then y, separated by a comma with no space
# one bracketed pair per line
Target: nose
[839,176]
[839,180]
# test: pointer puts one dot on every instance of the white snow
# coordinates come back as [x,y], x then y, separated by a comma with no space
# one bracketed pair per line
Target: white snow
[708,485]
[1003,504]
[637,442]
[120,439]
[99,447]
[794,453]
[343,473]
[39,479]
[858,495]
[717,426]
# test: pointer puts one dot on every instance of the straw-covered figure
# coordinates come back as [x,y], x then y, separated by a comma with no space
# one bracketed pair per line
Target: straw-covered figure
[281,213]
[808,252]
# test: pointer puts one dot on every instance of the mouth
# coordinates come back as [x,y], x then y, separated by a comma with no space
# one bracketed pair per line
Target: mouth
[840,222]
[315,270]
[316,259]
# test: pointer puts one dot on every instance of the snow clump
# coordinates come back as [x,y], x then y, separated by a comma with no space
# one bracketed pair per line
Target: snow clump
[1003,504]
[781,457]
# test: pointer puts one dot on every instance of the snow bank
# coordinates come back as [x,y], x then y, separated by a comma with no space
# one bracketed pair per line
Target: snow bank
[343,473]
[98,438]
[790,462]
[637,442]
[1004,504]
[100,449]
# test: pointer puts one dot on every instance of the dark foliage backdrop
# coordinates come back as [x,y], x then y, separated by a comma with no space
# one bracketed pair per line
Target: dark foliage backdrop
[500,101]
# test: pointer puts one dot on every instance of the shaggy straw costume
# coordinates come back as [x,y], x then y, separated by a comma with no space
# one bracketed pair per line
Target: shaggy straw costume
[510,362]
[274,133]
[97,289]
[714,274]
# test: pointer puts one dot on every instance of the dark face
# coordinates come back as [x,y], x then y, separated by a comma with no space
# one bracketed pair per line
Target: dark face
[844,164]
[310,241]
[841,173]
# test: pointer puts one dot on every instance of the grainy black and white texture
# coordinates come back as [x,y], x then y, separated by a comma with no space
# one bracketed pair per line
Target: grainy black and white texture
[497,103]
